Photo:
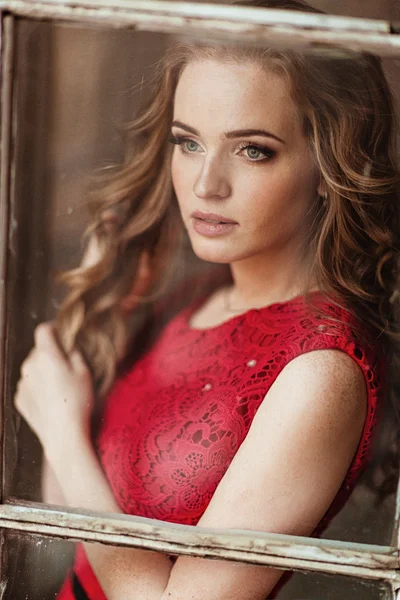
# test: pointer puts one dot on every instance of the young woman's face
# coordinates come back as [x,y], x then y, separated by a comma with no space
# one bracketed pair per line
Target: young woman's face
[241,169]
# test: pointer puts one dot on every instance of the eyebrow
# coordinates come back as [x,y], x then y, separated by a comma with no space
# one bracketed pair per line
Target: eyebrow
[232,134]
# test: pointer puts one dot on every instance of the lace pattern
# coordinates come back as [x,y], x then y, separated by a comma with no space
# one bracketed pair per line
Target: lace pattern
[174,422]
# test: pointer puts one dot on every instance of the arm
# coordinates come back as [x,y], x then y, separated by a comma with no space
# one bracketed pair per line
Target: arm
[282,479]
[51,489]
[285,474]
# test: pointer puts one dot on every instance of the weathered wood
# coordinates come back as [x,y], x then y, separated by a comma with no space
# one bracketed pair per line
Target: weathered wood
[396,529]
[204,11]
[6,78]
[211,22]
[219,22]
[7,54]
[282,551]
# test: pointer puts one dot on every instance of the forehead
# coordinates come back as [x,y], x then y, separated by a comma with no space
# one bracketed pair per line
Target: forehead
[214,95]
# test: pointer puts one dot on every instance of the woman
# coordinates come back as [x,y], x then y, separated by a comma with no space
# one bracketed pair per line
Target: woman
[254,406]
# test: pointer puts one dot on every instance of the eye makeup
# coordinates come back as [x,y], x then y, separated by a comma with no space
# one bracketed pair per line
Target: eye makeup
[266,153]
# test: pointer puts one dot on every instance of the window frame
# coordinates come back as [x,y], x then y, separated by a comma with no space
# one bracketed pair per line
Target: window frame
[211,22]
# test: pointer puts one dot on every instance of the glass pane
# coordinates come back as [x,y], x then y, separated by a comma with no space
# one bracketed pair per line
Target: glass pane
[311,585]
[77,88]
[36,568]
[57,163]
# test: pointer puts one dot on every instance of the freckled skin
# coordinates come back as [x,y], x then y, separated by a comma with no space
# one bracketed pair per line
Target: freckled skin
[269,199]
[305,433]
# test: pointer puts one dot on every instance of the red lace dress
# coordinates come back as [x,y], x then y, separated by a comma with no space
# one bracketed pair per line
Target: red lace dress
[173,423]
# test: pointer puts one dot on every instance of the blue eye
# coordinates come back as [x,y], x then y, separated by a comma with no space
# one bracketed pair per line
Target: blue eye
[187,145]
[257,153]
[253,152]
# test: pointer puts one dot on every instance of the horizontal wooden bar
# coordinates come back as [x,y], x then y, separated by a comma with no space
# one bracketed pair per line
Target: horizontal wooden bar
[212,22]
[269,549]
[202,10]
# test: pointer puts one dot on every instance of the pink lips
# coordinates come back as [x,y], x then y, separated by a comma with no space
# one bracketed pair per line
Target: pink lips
[211,224]
[212,217]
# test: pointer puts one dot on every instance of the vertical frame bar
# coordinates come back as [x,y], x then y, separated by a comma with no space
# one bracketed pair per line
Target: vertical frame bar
[396,529]
[7,61]
[6,73]
[28,243]
[6,149]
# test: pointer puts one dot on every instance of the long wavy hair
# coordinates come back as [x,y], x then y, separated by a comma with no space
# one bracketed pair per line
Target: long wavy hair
[138,237]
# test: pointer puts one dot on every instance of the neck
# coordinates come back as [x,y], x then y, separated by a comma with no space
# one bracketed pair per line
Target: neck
[268,278]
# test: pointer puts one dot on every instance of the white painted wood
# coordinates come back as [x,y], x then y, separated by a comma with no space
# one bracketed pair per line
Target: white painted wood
[208,22]
[201,10]
[7,53]
[7,58]
[233,24]
[283,551]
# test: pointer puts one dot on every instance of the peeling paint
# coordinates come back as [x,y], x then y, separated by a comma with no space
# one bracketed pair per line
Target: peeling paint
[219,22]
[231,24]
[270,549]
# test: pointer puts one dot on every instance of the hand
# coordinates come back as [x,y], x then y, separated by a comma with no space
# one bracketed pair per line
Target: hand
[54,393]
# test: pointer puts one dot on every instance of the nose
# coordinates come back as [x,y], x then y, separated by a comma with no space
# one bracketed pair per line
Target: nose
[213,180]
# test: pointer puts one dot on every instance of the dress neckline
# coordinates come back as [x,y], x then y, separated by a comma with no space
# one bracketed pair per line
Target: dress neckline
[274,307]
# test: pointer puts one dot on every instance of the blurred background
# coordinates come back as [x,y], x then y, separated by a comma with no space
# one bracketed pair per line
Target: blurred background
[77,89]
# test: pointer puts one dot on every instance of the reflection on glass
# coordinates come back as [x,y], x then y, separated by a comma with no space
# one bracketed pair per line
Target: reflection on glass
[190,306]
[36,566]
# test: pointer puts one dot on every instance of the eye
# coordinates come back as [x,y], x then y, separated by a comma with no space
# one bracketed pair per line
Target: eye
[257,153]
[187,145]
[191,145]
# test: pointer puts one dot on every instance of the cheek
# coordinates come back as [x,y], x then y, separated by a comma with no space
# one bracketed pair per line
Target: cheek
[279,196]
[266,190]
[180,176]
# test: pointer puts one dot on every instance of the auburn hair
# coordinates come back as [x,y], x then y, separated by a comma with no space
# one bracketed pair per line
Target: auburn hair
[348,116]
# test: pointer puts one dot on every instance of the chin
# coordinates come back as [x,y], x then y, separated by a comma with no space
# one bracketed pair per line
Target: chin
[211,253]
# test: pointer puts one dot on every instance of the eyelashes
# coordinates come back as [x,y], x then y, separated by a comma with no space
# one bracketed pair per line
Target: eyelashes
[180,141]
[266,153]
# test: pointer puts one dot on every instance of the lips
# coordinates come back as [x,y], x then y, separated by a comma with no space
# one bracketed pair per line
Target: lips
[212,218]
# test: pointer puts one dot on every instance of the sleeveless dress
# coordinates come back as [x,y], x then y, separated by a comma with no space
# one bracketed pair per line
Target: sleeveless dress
[173,422]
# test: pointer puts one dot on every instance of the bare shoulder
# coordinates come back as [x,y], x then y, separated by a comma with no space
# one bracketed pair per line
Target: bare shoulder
[286,472]
[326,363]
[299,446]
[319,403]
[331,379]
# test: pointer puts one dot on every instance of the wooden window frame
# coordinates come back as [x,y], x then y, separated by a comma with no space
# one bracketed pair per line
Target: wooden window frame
[210,22]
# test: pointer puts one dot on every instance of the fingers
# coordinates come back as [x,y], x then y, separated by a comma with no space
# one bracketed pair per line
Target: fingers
[46,344]
[77,362]
[46,340]
[22,395]
[42,333]
[27,362]
[18,396]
